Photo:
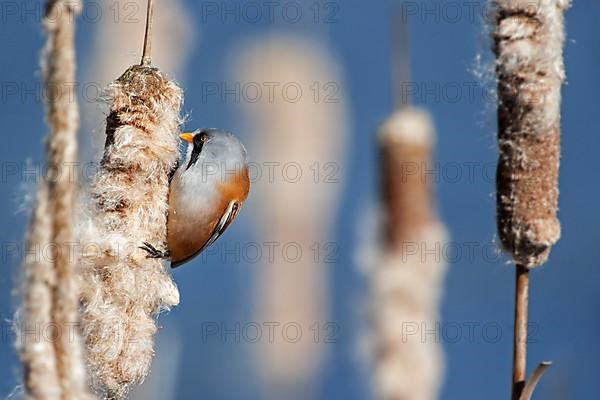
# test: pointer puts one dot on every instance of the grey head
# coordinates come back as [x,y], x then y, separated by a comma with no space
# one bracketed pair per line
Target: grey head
[214,148]
[214,156]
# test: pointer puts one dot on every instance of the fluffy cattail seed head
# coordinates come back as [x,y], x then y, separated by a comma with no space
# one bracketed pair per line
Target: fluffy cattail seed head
[122,290]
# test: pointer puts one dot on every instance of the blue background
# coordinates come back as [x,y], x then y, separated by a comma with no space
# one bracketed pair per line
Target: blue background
[446,50]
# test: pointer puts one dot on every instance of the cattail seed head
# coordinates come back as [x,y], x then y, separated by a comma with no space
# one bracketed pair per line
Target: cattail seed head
[122,290]
[528,39]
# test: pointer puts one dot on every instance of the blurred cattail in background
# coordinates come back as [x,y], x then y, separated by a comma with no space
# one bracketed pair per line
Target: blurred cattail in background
[528,41]
[39,279]
[406,268]
[53,364]
[119,34]
[406,278]
[300,132]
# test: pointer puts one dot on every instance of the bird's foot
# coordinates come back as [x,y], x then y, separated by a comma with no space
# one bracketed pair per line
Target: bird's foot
[153,252]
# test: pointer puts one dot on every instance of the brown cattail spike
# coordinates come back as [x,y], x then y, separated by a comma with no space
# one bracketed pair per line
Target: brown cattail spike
[406,140]
[528,40]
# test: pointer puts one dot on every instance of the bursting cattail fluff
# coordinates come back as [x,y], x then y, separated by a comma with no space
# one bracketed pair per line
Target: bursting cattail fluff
[122,290]
[528,41]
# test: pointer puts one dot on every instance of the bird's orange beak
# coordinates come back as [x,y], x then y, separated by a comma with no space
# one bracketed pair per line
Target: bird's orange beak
[188,137]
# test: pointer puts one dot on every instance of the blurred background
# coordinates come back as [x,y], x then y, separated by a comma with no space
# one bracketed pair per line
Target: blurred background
[277,308]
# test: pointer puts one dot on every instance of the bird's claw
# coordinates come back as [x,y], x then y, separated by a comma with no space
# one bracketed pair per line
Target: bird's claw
[153,252]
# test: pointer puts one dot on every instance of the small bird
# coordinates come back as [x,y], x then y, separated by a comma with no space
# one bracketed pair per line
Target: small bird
[206,193]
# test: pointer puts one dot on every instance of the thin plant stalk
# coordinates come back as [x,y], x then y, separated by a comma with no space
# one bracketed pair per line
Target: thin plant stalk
[520,331]
[400,58]
[534,380]
[147,52]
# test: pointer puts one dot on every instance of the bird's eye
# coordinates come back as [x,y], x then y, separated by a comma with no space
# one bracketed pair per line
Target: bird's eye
[203,137]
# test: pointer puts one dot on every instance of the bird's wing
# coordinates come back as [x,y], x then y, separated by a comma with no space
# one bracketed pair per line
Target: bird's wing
[228,216]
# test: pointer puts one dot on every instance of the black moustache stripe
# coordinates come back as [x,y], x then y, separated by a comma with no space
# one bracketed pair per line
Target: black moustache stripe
[195,154]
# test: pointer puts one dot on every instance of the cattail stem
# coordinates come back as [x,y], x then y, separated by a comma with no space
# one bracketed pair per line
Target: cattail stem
[147,52]
[520,331]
